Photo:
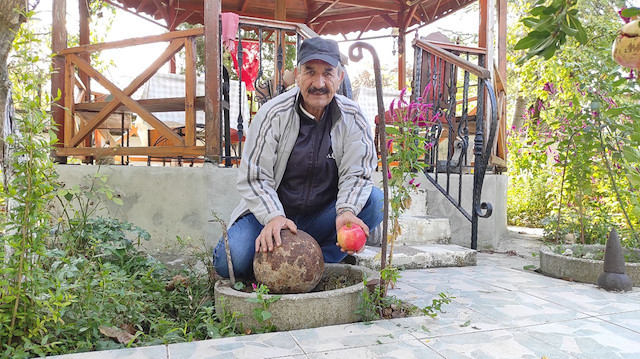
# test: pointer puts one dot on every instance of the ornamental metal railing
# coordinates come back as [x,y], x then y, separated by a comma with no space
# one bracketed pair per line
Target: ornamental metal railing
[459,91]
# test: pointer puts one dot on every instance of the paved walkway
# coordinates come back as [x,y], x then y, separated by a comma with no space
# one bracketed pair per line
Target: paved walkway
[500,311]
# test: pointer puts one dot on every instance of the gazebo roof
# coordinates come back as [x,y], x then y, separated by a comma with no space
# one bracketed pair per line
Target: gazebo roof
[323,16]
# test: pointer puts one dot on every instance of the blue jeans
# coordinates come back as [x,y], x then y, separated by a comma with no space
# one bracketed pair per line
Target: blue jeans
[321,226]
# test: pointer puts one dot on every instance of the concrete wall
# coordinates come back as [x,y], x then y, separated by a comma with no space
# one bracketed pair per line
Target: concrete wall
[167,201]
[180,201]
[430,201]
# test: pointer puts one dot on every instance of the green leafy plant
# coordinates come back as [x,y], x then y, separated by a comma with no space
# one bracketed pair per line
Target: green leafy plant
[30,305]
[574,164]
[376,304]
[369,305]
[261,312]
[549,28]
[407,147]
[436,305]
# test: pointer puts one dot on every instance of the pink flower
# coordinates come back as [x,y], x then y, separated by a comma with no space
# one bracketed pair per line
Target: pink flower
[625,19]
[388,174]
[254,286]
[426,91]
[404,90]
[411,181]
[417,185]
[549,88]
[428,146]
[389,143]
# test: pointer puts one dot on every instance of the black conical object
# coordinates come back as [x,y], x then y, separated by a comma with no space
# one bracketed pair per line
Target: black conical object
[613,278]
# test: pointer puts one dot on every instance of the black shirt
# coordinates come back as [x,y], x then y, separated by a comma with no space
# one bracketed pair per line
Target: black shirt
[310,180]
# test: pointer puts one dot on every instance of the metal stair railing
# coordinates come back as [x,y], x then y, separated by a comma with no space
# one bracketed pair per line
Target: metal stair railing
[437,73]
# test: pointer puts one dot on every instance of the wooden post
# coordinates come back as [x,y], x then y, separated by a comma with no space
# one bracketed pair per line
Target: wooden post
[212,80]
[402,64]
[172,61]
[84,39]
[502,38]
[502,72]
[58,42]
[280,14]
[190,92]
[281,10]
[482,29]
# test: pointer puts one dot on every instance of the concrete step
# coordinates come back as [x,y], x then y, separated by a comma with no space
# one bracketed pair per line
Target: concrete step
[417,230]
[420,256]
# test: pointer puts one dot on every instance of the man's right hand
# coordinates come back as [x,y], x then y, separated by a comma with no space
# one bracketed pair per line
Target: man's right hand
[271,232]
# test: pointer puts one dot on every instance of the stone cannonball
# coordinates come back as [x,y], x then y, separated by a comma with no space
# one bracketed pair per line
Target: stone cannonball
[294,267]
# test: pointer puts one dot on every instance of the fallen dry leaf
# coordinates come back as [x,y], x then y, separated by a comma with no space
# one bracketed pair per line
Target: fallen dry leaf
[118,334]
[177,280]
[129,328]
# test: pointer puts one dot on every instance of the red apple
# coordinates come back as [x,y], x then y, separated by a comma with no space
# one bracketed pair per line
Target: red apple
[351,237]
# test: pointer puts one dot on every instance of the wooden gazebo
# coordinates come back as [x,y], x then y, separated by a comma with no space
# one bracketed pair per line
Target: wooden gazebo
[310,17]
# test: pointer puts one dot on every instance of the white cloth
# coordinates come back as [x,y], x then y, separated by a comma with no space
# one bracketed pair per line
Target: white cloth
[164,85]
[368,101]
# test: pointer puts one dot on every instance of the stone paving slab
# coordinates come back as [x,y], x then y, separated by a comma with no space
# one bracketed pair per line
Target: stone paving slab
[269,345]
[410,349]
[350,336]
[497,313]
[455,319]
[518,309]
[589,338]
[588,299]
[628,320]
[499,344]
[153,352]
[420,256]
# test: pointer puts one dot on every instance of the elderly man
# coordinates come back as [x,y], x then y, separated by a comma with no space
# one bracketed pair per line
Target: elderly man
[306,164]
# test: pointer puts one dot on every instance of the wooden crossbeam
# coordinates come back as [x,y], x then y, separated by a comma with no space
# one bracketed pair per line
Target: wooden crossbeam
[179,19]
[370,4]
[407,19]
[243,5]
[350,16]
[170,104]
[159,151]
[454,59]
[321,10]
[124,98]
[435,11]
[162,10]
[366,27]
[391,22]
[120,96]
[198,31]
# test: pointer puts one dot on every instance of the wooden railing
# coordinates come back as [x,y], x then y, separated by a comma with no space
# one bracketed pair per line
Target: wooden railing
[82,120]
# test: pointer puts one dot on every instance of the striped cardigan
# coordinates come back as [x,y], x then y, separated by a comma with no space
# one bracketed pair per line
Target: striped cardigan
[271,137]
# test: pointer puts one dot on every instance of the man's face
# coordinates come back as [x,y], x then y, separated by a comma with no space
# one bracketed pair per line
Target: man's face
[318,82]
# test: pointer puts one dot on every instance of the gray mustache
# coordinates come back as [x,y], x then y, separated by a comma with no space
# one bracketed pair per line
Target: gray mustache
[317,91]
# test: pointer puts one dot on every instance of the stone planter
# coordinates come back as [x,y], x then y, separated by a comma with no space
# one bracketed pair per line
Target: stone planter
[581,269]
[299,311]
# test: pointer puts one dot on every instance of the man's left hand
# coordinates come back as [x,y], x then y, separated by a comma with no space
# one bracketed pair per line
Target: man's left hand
[350,217]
